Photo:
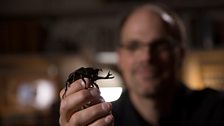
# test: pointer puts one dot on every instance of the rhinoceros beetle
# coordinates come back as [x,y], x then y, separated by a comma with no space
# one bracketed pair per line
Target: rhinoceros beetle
[88,72]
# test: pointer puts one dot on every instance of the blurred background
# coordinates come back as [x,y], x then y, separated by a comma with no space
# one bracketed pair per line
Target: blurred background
[42,41]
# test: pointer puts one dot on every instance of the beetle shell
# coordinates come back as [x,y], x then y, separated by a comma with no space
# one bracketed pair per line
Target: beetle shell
[88,72]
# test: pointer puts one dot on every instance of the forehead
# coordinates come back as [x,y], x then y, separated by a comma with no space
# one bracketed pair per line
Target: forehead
[143,25]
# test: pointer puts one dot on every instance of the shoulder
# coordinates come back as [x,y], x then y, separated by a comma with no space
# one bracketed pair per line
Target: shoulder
[122,109]
[206,101]
[206,105]
[207,94]
[121,102]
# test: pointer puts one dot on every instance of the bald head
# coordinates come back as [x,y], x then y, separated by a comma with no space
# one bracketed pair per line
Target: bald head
[142,21]
[154,17]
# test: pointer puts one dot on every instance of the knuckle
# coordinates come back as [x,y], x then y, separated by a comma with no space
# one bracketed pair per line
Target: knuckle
[85,94]
[76,120]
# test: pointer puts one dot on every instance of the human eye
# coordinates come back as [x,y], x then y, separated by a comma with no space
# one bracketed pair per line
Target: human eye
[162,44]
[132,46]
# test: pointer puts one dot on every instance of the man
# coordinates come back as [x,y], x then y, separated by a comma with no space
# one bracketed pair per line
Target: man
[150,55]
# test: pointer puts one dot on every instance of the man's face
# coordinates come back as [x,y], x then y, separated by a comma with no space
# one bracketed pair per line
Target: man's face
[147,56]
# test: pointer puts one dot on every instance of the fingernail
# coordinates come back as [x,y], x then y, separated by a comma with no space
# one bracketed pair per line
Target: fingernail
[109,119]
[95,92]
[85,83]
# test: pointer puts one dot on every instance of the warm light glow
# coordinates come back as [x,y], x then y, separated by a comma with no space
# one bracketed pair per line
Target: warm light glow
[111,93]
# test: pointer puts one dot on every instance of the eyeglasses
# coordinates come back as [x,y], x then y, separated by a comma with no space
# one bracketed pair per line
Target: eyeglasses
[163,44]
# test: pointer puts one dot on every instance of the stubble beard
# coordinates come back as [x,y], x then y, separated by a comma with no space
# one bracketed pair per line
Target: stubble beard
[146,86]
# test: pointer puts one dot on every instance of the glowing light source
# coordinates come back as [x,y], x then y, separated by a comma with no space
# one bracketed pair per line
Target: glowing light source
[45,93]
[110,93]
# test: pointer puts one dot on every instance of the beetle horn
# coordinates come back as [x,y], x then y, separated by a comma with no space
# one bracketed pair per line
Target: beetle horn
[107,77]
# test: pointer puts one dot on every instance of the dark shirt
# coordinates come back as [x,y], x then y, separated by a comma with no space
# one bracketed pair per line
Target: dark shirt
[190,108]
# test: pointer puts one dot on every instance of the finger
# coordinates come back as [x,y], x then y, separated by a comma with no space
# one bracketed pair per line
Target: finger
[74,87]
[105,121]
[64,118]
[91,114]
[75,101]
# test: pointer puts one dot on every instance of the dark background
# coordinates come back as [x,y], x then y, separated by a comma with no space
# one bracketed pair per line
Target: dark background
[47,39]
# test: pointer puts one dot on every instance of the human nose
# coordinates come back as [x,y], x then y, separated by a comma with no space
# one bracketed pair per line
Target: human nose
[145,53]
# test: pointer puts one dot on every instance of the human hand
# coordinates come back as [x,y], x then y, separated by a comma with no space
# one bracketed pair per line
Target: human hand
[82,107]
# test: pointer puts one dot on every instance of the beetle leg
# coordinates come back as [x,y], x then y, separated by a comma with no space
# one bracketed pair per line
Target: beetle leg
[66,88]
[95,85]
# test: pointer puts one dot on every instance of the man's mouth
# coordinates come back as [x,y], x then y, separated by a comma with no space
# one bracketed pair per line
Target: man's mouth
[146,72]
